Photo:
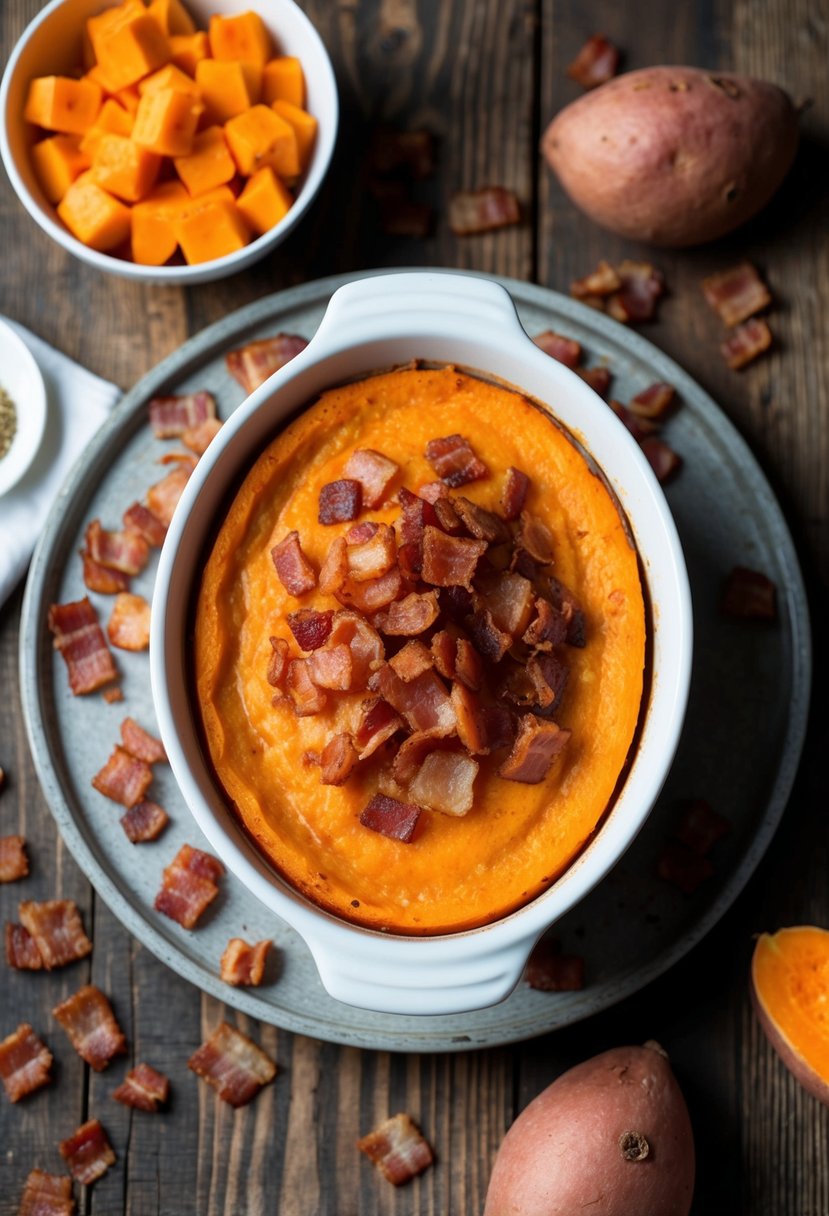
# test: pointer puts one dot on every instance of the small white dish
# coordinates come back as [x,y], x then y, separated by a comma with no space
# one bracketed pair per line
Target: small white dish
[20,377]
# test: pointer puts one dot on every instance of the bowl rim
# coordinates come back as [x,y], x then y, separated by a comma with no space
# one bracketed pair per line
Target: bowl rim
[31,420]
[200,271]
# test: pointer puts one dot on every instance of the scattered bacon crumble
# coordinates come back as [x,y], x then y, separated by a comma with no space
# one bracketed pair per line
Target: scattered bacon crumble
[536,746]
[199,438]
[233,1065]
[129,624]
[340,501]
[278,662]
[653,402]
[14,863]
[563,350]
[81,642]
[139,518]
[25,1063]
[454,461]
[597,377]
[243,964]
[736,294]
[171,417]
[628,292]
[514,493]
[141,744]
[124,778]
[144,822]
[749,595]
[746,343]
[375,473]
[101,578]
[21,949]
[337,760]
[548,970]
[596,63]
[144,1089]
[56,929]
[391,818]
[397,1149]
[163,497]
[310,628]
[664,461]
[255,363]
[293,569]
[484,210]
[189,886]
[112,694]
[127,552]
[87,1152]
[90,1025]
[46,1195]
[602,281]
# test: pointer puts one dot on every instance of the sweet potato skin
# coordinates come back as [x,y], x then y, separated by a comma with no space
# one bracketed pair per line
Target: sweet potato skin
[675,156]
[562,1155]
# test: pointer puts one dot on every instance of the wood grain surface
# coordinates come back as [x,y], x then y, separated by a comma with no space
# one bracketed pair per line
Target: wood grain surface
[485,76]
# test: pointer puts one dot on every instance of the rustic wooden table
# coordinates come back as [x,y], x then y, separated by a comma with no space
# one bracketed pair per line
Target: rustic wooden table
[485,76]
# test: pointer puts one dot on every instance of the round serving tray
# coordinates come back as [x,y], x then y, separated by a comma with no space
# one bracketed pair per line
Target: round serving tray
[739,750]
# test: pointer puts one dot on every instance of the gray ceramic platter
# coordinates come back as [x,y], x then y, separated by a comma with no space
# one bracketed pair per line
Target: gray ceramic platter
[739,749]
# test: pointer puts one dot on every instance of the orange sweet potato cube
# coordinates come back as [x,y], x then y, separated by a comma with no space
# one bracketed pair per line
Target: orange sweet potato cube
[172,17]
[166,122]
[132,50]
[169,77]
[97,74]
[188,50]
[154,239]
[305,129]
[113,120]
[58,161]
[94,216]
[243,37]
[260,137]
[208,165]
[99,27]
[59,103]
[264,200]
[228,89]
[124,168]
[211,231]
[283,80]
[129,98]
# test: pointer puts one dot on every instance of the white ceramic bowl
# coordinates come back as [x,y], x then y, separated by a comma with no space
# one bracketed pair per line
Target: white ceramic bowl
[51,45]
[20,377]
[371,324]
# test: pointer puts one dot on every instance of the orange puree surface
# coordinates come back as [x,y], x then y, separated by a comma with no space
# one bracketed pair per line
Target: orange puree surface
[456,872]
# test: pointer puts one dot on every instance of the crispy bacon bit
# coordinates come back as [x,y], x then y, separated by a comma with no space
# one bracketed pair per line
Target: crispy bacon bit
[417,514]
[14,863]
[444,782]
[170,417]
[639,427]
[375,473]
[603,281]
[144,822]
[535,539]
[682,867]
[468,665]
[278,662]
[449,561]
[21,949]
[46,1195]
[408,617]
[514,493]
[310,628]
[129,624]
[101,579]
[423,702]
[653,402]
[340,501]
[372,557]
[700,827]
[124,551]
[746,342]
[597,377]
[25,1063]
[91,1027]
[454,461]
[233,1064]
[87,1152]
[431,491]
[141,744]
[548,627]
[664,461]
[397,1149]
[189,886]
[163,497]
[500,726]
[199,438]
[447,517]
[337,760]
[182,460]
[373,594]
[396,820]
[378,722]
[334,570]
[548,970]
[642,286]
[243,965]
[444,651]
[255,363]
[749,595]
[563,350]
[480,523]
[57,930]
[81,642]
[596,63]
[736,294]
[307,698]
[411,152]
[471,727]
[111,695]
[565,602]
[365,643]
[140,519]
[549,676]
[492,642]
[411,754]
[535,748]
[509,598]
[412,660]
[331,667]
[473,211]
[124,778]
[357,534]
[143,1088]
[293,569]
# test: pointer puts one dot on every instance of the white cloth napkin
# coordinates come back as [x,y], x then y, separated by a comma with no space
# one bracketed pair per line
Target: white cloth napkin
[77,404]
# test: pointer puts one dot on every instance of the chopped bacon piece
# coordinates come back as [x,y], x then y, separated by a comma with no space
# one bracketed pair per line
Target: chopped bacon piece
[375,473]
[548,970]
[255,363]
[514,493]
[111,695]
[596,63]
[143,1088]
[423,702]
[163,497]
[642,286]
[566,603]
[417,513]
[199,438]
[597,377]
[468,666]
[563,350]
[278,663]
[682,867]
[700,827]
[81,642]
[492,642]
[140,519]
[412,660]
[410,616]
[664,461]
[653,402]
[535,539]
[444,782]
[500,726]
[358,533]
[549,676]
[397,1149]
[337,760]
[411,754]
[293,569]
[547,628]
[46,1195]
[90,1024]
[57,930]
[21,949]
[171,416]
[124,551]
[736,294]
[331,667]
[603,281]
[364,641]
[370,596]
[182,460]
[87,1152]
[243,965]
[373,557]
[129,623]
[334,570]
[307,698]
[233,1064]
[378,722]
[749,595]
[473,211]
[25,1063]
[510,599]
[535,748]
[392,151]
[471,726]
[639,427]
[14,863]
[396,820]
[480,523]
[310,628]
[454,461]
[447,517]
[124,778]
[101,578]
[340,501]
[431,491]
[144,822]
[746,342]
[141,744]
[444,653]
[449,561]
[189,886]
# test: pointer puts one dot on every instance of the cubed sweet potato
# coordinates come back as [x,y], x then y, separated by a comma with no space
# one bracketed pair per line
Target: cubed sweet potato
[166,122]
[211,231]
[304,126]
[58,161]
[94,216]
[209,163]
[260,137]
[264,201]
[283,80]
[59,103]
[228,89]
[242,37]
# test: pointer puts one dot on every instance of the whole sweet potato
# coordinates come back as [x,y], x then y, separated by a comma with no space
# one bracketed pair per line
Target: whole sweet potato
[673,155]
[610,1137]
